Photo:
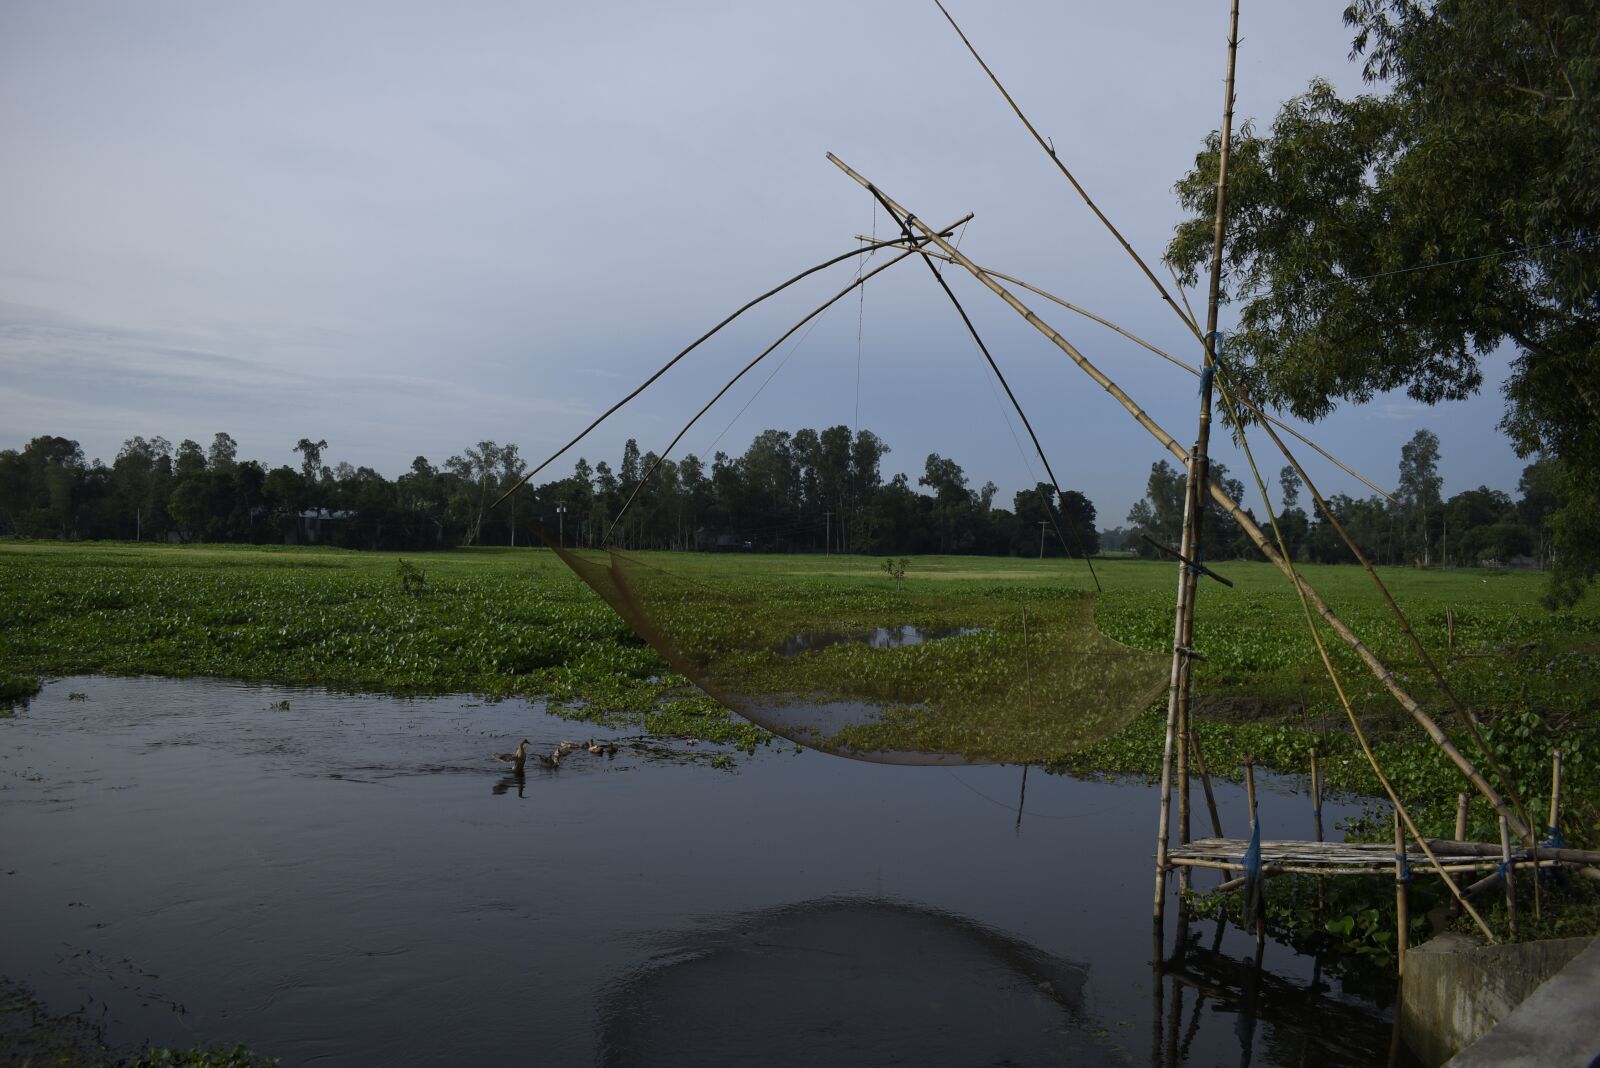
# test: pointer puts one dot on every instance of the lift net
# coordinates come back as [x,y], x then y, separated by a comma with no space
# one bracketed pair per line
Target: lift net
[992,661]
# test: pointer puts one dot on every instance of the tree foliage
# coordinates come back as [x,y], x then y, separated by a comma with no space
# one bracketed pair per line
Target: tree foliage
[1394,239]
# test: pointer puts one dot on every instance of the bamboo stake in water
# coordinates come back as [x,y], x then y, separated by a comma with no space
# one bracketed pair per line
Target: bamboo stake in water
[1250,795]
[1316,796]
[1510,878]
[1401,899]
[1205,782]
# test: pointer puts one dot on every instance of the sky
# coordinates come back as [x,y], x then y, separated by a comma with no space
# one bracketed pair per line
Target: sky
[409,227]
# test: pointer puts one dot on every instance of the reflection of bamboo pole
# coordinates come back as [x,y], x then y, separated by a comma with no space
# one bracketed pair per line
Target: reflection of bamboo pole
[1401,902]
[1376,666]
[1205,782]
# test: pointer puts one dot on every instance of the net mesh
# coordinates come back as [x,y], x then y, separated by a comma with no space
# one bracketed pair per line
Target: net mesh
[848,659]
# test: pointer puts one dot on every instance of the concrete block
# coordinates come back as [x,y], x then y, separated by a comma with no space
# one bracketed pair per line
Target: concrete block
[1455,990]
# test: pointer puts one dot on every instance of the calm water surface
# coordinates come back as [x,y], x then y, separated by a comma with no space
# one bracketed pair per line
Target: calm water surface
[355,880]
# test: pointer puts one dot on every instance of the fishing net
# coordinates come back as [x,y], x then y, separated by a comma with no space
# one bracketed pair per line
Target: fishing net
[853,661]
[993,662]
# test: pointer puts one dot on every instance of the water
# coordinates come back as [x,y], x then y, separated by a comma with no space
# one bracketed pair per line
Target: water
[875,637]
[355,880]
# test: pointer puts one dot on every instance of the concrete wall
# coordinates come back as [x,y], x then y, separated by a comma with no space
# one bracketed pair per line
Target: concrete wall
[1455,990]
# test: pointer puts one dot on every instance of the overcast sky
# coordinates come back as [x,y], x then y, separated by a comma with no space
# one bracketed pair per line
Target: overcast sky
[408,227]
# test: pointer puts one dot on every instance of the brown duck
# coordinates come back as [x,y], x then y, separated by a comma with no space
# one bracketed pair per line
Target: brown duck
[516,759]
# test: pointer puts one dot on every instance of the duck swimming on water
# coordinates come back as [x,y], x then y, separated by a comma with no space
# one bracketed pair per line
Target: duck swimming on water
[551,761]
[516,759]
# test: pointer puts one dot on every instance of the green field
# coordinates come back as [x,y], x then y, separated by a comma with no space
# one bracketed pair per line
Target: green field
[517,622]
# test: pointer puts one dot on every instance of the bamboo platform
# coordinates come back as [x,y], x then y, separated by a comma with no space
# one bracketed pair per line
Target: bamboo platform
[1352,858]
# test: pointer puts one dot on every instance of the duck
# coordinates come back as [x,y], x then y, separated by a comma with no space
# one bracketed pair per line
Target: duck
[516,759]
[565,748]
[611,749]
[551,761]
[595,747]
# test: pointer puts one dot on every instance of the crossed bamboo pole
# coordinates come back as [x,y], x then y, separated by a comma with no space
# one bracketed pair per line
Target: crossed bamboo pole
[1379,670]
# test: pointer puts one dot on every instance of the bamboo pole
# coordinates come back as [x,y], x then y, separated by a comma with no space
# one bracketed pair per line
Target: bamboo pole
[1316,796]
[1402,876]
[1555,795]
[1461,817]
[1510,877]
[1205,782]
[1379,670]
[1194,507]
[1250,794]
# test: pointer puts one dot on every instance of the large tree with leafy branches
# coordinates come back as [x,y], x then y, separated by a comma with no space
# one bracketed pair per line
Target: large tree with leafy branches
[1396,238]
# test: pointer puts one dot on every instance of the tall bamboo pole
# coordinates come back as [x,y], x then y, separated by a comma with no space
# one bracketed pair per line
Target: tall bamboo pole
[1379,670]
[1193,514]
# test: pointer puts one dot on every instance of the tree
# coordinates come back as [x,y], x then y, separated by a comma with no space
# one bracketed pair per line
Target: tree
[1289,479]
[1160,515]
[1419,490]
[1394,239]
[224,451]
[310,464]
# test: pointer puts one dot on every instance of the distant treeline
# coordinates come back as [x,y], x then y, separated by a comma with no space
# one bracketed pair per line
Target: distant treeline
[1418,526]
[809,491]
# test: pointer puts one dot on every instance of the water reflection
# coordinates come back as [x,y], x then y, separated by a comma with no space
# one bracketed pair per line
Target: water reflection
[519,779]
[853,981]
[877,638]
[1290,1021]
[326,881]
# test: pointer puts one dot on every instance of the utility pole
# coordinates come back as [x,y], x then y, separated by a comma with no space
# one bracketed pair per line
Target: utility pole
[827,546]
[1042,522]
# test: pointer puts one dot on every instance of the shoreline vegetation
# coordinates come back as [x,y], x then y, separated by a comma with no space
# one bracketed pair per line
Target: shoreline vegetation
[504,623]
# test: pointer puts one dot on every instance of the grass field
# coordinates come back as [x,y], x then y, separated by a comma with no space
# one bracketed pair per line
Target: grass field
[517,622]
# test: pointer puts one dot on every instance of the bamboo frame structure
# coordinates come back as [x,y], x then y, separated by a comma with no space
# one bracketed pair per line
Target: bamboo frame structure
[1522,825]
[1252,530]
[1165,355]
